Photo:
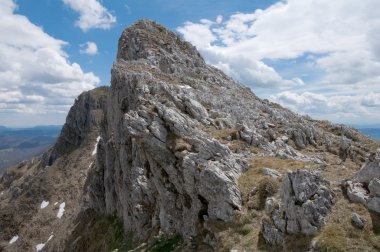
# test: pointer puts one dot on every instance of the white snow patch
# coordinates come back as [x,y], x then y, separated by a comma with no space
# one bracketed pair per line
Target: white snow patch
[96,146]
[42,245]
[50,237]
[61,210]
[14,239]
[185,86]
[55,203]
[44,204]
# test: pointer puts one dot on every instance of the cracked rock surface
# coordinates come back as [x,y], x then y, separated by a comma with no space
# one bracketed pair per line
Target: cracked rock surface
[364,188]
[306,199]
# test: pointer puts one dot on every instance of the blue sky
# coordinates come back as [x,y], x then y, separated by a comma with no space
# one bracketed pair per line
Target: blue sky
[58,20]
[316,57]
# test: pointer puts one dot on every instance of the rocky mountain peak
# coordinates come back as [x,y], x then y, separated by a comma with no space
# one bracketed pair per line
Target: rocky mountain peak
[147,40]
[85,115]
[175,149]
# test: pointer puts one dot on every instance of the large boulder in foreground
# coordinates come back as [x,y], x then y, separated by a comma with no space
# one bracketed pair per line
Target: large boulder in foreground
[305,202]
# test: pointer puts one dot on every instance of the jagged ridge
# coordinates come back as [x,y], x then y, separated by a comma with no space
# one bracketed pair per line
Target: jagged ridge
[176,137]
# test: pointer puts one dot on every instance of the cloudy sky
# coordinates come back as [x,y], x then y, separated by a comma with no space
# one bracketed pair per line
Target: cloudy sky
[317,57]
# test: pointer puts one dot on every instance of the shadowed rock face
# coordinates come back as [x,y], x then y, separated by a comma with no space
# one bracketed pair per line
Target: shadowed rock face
[86,112]
[163,148]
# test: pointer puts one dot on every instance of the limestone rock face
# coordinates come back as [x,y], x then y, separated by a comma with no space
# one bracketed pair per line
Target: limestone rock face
[86,112]
[369,171]
[158,168]
[356,192]
[306,200]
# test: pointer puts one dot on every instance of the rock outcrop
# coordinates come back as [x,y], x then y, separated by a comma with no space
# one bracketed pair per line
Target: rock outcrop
[86,112]
[364,188]
[153,151]
[306,199]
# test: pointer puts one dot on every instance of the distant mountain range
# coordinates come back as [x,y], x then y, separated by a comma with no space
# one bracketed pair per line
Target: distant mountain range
[373,132]
[18,144]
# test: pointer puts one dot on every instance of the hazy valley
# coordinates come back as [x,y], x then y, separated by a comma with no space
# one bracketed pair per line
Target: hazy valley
[17,145]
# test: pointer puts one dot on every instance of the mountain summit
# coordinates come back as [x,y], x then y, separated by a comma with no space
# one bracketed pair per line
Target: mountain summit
[175,155]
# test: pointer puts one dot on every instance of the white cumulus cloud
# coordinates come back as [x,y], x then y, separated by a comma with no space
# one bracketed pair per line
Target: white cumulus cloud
[337,42]
[36,75]
[346,108]
[89,48]
[200,34]
[92,14]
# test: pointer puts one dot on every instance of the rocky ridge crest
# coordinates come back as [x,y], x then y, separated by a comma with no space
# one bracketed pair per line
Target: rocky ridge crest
[175,139]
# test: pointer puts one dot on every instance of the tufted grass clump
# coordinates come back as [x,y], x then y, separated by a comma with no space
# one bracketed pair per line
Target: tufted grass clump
[267,187]
[332,238]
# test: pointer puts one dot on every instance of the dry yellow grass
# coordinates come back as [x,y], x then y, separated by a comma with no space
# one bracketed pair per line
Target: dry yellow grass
[332,239]
[241,234]
[226,136]
[251,178]
[220,134]
[340,235]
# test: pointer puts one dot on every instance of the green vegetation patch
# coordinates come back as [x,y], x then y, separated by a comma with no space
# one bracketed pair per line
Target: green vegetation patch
[254,174]
[166,245]
[97,232]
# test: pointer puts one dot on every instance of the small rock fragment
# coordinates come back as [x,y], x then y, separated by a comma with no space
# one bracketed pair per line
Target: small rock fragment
[356,192]
[357,220]
[270,172]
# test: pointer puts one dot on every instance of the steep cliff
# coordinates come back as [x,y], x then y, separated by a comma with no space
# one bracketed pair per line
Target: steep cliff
[183,151]
[36,191]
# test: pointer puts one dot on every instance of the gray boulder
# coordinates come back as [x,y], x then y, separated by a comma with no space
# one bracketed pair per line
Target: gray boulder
[374,204]
[270,233]
[356,192]
[370,170]
[306,200]
[365,186]
[374,187]
[357,220]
